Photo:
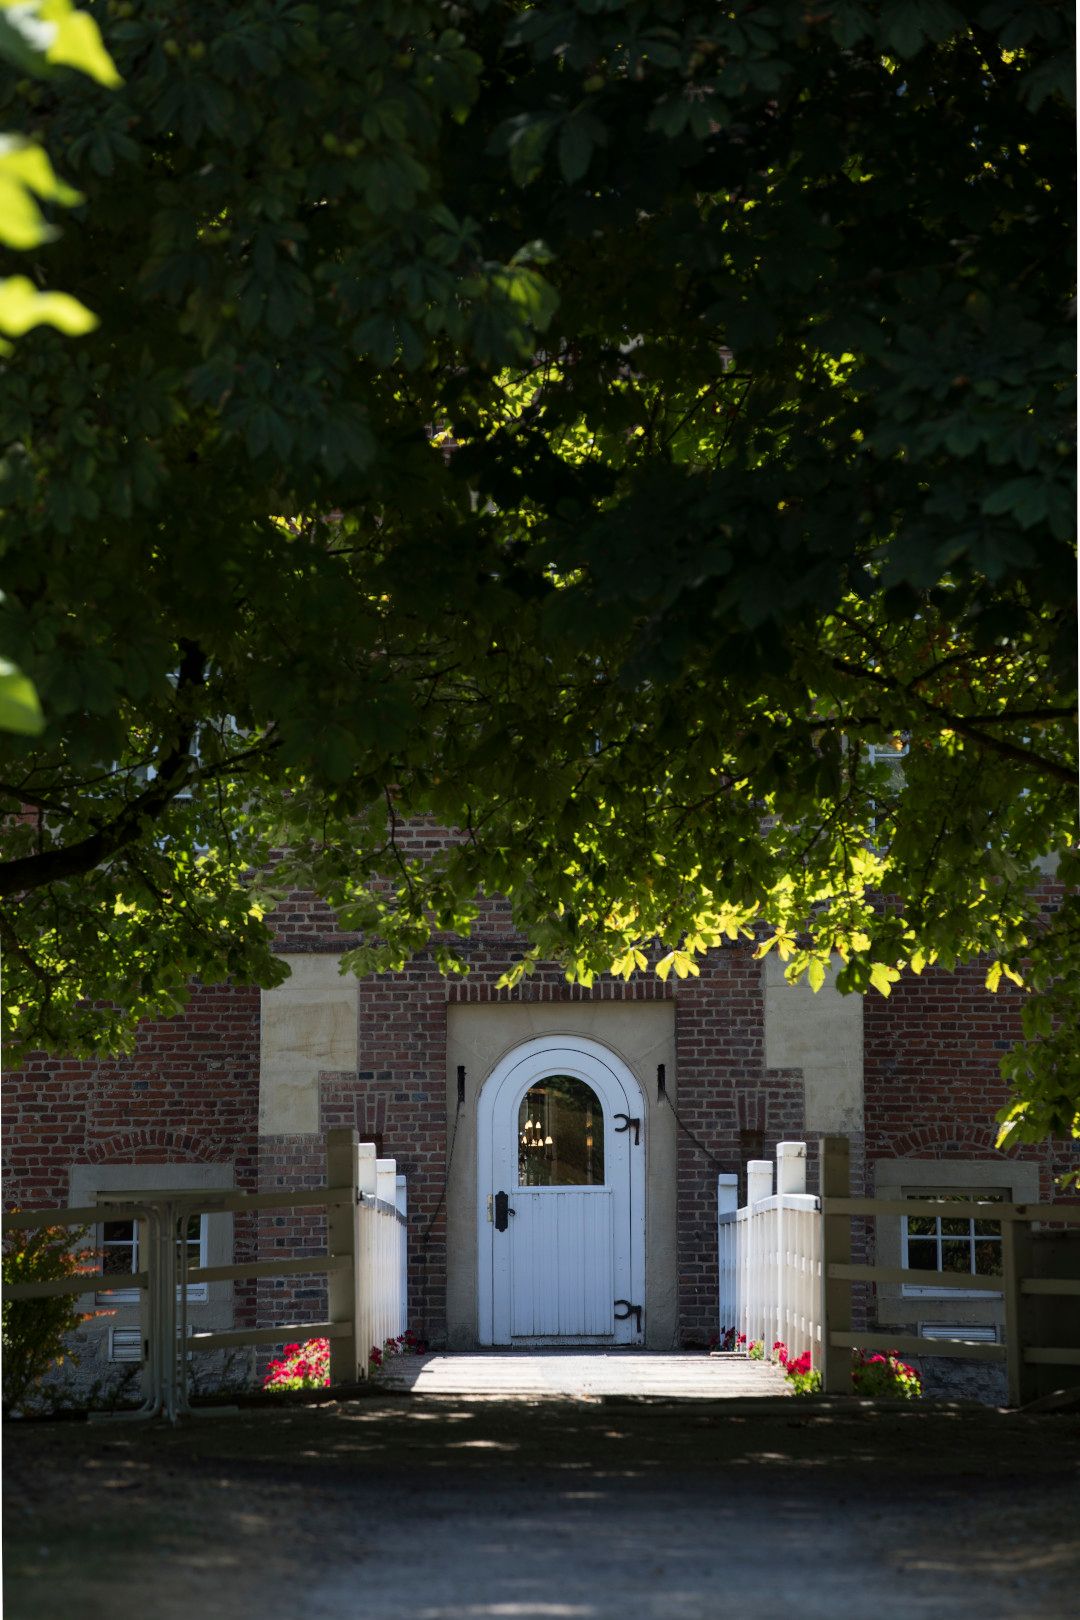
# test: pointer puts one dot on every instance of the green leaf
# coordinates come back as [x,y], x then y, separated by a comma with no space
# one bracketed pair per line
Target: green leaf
[534,297]
[575,149]
[883,977]
[77,43]
[1025,498]
[901,28]
[36,35]
[528,136]
[20,710]
[22,306]
[26,173]
[24,39]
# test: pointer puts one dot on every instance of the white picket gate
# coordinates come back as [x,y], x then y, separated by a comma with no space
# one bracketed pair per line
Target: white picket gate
[770,1255]
[381,1251]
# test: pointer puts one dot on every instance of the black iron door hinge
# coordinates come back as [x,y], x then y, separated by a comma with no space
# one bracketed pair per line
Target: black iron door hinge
[627,1312]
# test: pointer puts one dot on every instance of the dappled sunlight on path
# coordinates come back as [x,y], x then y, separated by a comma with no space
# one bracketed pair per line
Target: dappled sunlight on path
[594,1507]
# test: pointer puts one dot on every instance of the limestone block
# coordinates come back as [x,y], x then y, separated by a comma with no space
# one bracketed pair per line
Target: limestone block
[822,1034]
[309,1023]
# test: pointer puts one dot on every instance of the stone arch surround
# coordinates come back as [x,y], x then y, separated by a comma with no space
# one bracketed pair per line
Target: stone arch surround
[148,1144]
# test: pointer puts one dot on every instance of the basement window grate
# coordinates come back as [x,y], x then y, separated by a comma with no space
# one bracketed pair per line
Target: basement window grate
[125,1344]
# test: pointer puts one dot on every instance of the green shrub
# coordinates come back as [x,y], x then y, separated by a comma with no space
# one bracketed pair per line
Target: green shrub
[35,1330]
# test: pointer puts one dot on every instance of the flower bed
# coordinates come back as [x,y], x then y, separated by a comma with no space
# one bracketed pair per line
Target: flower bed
[881,1373]
[799,1371]
[307,1366]
[884,1374]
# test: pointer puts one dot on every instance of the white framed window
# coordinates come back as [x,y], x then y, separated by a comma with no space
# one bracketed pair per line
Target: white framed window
[892,754]
[889,753]
[944,1245]
[119,1243]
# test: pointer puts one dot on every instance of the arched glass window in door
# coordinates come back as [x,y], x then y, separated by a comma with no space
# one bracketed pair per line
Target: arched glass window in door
[560,1134]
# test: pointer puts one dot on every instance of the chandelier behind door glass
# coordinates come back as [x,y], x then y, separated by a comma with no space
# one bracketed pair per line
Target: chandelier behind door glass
[560,1135]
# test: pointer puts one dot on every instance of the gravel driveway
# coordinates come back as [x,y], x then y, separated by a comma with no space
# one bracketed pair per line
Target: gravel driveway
[545,1509]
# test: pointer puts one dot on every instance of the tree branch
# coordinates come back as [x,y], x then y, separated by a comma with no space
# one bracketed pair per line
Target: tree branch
[966,726]
[54,865]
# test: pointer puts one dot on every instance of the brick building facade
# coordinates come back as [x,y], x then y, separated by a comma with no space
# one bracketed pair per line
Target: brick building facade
[239,1089]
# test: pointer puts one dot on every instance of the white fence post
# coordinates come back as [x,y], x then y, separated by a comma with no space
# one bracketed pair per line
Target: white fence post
[790,1181]
[759,1181]
[342,1241]
[389,1281]
[759,1186]
[366,1270]
[791,1167]
[401,1199]
[727,1209]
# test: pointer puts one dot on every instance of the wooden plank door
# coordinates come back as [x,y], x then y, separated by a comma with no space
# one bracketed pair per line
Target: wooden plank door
[562,1264]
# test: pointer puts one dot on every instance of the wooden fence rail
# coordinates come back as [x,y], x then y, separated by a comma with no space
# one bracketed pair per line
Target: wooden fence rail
[363,1262]
[838,1273]
[786,1269]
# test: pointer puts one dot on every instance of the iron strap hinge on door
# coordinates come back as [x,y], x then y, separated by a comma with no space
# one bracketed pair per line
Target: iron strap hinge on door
[627,1312]
[629,1123]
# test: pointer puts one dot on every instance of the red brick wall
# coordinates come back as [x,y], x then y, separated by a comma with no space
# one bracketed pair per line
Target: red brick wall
[932,1077]
[189,1091]
[188,1094]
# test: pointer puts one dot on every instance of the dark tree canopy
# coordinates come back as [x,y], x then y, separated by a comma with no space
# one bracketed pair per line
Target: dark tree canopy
[604,428]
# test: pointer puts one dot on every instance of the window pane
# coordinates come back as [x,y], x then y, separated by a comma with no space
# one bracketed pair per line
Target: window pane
[956,1226]
[560,1135]
[956,1255]
[988,1257]
[922,1254]
[922,1225]
[987,1228]
[194,1227]
[118,1248]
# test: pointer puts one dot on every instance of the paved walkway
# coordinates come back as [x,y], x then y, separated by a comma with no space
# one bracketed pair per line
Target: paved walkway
[585,1375]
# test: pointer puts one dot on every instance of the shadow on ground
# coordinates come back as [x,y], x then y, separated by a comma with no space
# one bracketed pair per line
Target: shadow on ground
[548,1510]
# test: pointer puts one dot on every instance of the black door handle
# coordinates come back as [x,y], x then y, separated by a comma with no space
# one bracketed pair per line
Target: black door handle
[502,1211]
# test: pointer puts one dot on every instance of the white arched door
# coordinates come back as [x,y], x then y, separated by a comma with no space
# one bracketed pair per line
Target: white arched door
[561,1206]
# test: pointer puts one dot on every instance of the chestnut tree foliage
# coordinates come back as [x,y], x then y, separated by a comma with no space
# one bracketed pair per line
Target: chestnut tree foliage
[604,428]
